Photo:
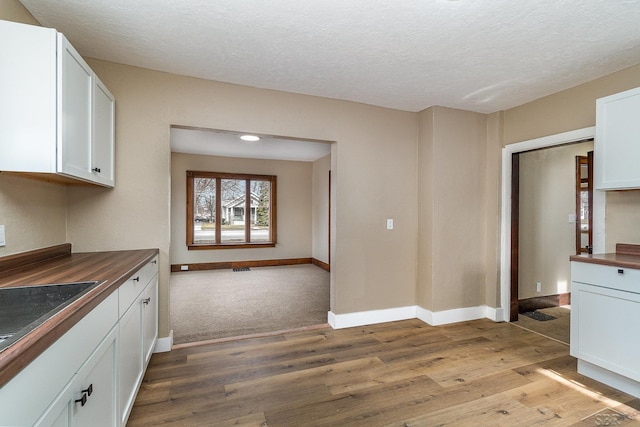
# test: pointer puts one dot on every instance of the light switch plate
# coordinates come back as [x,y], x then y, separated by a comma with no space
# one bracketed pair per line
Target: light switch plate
[3,241]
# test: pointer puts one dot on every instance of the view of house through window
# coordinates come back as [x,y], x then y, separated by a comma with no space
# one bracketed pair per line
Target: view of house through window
[230,210]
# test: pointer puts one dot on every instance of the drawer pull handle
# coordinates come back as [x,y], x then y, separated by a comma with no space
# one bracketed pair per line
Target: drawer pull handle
[82,400]
[154,261]
[89,390]
[96,170]
[146,300]
[136,279]
[620,271]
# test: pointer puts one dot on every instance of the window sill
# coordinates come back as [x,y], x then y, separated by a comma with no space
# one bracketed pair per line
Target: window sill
[231,246]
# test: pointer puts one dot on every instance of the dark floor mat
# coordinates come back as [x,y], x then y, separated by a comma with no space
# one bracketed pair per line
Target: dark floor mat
[536,315]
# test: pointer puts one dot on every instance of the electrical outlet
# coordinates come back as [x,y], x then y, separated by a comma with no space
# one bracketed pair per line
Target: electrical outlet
[184,267]
[538,287]
[3,240]
[390,224]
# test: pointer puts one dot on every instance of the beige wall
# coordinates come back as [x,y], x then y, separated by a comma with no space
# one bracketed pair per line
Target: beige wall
[493,206]
[452,165]
[547,239]
[452,199]
[34,213]
[294,215]
[375,150]
[575,109]
[12,10]
[320,209]
[426,161]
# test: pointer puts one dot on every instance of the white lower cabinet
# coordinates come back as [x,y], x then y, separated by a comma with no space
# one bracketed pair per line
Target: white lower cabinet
[130,358]
[138,333]
[89,399]
[150,320]
[605,318]
[90,376]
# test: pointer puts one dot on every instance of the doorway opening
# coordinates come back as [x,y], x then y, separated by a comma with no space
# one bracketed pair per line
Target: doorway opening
[584,204]
[283,287]
[544,230]
[508,249]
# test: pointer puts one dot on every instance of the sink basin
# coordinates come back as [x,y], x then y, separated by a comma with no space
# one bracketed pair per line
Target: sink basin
[24,308]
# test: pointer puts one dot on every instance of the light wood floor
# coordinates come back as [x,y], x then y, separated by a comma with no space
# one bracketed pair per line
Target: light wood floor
[406,373]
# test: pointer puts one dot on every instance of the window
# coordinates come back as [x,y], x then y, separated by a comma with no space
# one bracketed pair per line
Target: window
[227,210]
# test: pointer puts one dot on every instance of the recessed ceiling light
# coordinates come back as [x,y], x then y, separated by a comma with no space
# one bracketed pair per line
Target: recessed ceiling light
[250,138]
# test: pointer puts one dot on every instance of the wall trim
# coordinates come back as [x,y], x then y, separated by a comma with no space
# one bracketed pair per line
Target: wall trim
[451,316]
[321,264]
[164,344]
[372,317]
[176,268]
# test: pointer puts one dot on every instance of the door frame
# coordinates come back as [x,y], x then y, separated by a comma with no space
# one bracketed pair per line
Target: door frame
[599,199]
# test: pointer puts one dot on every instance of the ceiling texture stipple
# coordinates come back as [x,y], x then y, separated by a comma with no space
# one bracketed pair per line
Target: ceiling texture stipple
[478,55]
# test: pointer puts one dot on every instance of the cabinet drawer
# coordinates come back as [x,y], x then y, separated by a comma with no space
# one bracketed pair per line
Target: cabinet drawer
[625,279]
[134,286]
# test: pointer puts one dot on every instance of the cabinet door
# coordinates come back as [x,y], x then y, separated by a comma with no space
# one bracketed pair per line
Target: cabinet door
[27,98]
[130,358]
[97,380]
[603,324]
[74,106]
[103,141]
[95,383]
[617,150]
[150,319]
[59,413]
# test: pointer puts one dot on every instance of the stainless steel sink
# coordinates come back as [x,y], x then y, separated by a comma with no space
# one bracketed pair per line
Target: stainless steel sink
[24,308]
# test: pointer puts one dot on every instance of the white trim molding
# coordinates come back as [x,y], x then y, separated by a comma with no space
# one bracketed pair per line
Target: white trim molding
[164,344]
[436,318]
[372,317]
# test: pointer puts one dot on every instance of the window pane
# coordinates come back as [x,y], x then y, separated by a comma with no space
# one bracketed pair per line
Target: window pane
[233,210]
[260,213]
[204,210]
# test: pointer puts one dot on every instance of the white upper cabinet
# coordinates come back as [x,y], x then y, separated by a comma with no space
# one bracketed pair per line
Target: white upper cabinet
[56,117]
[103,146]
[74,105]
[617,144]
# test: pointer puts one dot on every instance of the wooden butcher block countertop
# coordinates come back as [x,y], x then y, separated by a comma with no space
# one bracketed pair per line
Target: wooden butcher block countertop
[58,265]
[626,256]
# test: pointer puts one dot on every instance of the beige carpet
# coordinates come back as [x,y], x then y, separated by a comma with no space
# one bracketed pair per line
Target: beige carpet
[558,328]
[215,304]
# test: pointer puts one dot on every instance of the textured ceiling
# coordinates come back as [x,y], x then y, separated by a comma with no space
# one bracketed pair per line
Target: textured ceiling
[229,144]
[479,55]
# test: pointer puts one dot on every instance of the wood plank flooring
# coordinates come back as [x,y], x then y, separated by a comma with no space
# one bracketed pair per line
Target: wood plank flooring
[406,373]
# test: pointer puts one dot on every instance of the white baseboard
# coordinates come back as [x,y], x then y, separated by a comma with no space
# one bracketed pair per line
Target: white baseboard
[164,344]
[372,317]
[495,314]
[451,316]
